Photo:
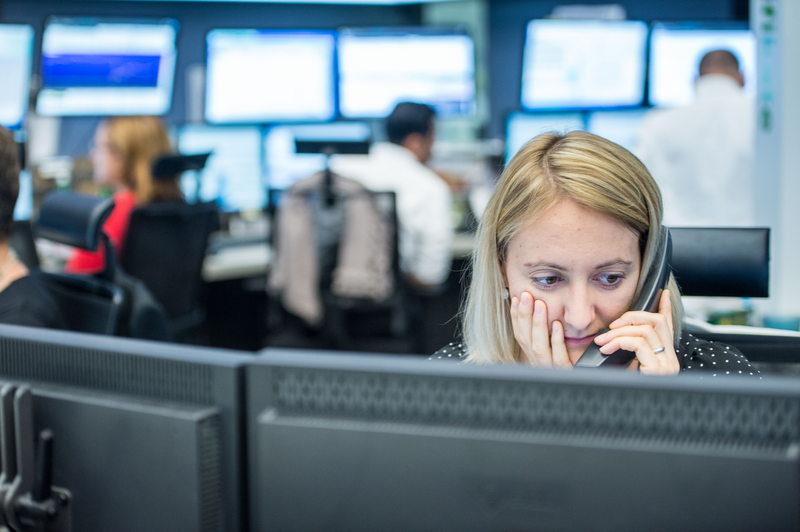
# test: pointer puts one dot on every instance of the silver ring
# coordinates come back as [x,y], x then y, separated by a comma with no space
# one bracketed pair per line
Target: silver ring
[659,350]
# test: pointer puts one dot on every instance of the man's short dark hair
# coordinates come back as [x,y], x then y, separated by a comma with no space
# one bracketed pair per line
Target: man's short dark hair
[9,181]
[408,118]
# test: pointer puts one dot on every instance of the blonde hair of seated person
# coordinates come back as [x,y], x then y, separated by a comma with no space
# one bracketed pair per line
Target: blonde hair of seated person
[589,170]
[138,141]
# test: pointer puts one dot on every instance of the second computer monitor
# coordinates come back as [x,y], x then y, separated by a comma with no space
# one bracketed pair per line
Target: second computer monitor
[16,55]
[380,68]
[582,64]
[256,76]
[232,176]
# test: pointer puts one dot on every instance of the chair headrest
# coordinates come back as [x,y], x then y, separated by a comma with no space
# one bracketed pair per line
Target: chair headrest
[73,219]
[169,166]
[721,261]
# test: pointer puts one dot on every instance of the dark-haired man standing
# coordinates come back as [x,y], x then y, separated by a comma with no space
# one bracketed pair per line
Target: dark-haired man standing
[423,198]
[702,155]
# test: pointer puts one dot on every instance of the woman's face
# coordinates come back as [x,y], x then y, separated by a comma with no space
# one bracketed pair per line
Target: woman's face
[583,265]
[106,162]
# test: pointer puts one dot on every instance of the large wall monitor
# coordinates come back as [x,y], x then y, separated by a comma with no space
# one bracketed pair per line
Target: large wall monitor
[569,64]
[522,127]
[16,53]
[620,126]
[284,166]
[380,68]
[232,176]
[93,68]
[676,51]
[255,76]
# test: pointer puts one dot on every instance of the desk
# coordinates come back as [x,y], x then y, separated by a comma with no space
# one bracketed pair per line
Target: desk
[252,260]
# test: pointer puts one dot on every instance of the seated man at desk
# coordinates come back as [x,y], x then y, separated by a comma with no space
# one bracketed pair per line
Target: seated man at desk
[423,199]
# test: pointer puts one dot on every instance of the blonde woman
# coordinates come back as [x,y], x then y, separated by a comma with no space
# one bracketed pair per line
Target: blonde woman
[563,249]
[123,154]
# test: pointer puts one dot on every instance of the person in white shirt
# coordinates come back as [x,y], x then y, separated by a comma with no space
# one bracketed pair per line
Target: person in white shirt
[423,199]
[701,155]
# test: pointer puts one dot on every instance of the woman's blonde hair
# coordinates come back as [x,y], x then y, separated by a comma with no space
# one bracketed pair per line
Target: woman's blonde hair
[138,141]
[589,170]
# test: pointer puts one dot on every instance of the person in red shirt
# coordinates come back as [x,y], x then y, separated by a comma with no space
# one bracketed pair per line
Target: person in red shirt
[123,154]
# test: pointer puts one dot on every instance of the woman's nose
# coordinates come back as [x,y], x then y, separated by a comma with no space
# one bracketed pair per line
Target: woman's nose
[579,312]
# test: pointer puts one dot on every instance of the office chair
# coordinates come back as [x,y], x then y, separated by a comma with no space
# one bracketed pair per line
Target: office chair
[88,303]
[165,247]
[347,320]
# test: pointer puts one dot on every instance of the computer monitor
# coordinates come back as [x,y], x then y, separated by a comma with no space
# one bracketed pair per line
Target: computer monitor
[581,64]
[284,166]
[379,68]
[233,175]
[91,67]
[255,76]
[147,435]
[371,442]
[522,127]
[621,127]
[675,54]
[16,56]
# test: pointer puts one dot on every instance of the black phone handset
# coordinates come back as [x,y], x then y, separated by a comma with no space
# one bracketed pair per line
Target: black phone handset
[648,300]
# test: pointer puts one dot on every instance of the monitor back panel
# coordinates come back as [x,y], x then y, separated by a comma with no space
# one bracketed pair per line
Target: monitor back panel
[395,445]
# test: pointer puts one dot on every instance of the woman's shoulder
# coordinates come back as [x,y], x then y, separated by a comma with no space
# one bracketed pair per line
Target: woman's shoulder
[718,359]
[454,351]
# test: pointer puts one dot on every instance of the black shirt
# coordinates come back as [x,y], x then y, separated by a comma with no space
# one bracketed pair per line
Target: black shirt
[26,301]
[693,353]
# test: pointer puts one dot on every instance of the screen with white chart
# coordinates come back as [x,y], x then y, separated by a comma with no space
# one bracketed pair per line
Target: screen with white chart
[522,127]
[619,126]
[583,64]
[232,176]
[16,54]
[284,166]
[92,68]
[255,76]
[676,51]
[380,68]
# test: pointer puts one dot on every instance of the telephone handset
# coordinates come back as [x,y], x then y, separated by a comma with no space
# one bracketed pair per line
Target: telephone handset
[648,300]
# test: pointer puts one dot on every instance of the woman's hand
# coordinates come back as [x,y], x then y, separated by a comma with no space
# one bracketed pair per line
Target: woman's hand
[539,346]
[645,333]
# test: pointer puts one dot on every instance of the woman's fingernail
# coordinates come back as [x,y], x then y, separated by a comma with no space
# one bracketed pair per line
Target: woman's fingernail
[514,303]
[599,337]
[538,307]
[525,301]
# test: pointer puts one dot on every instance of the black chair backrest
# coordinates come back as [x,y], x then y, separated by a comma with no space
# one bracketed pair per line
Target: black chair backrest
[165,248]
[88,304]
[21,241]
[721,261]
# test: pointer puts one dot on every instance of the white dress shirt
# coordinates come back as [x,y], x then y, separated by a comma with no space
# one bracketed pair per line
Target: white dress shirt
[702,155]
[423,206]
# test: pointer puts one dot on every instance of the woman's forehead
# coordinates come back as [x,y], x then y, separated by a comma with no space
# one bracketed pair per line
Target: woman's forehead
[571,233]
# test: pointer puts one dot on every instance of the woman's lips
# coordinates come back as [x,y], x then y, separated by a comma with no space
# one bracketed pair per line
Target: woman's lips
[582,341]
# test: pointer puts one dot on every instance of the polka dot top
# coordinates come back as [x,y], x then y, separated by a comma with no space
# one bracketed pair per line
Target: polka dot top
[694,354]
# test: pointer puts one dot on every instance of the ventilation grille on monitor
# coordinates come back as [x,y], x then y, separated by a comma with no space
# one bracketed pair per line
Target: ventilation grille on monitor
[538,407]
[211,508]
[123,373]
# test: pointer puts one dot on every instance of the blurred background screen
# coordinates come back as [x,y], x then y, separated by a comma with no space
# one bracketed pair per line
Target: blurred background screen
[269,76]
[99,68]
[16,56]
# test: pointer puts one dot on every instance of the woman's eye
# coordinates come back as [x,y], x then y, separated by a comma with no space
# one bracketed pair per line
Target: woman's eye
[611,279]
[546,282]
